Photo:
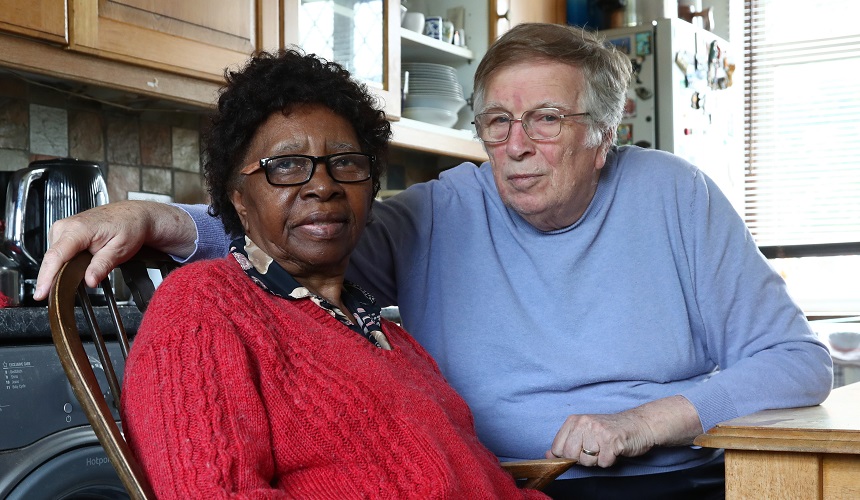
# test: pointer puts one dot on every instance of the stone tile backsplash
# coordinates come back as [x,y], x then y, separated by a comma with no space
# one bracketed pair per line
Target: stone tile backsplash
[83,142]
[49,131]
[154,149]
[13,123]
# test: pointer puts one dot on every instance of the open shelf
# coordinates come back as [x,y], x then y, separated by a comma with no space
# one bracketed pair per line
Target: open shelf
[420,136]
[415,47]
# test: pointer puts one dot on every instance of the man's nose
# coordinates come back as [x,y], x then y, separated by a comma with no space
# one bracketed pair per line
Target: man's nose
[519,142]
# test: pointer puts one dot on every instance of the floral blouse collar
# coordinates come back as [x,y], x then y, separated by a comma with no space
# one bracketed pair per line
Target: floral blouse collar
[271,277]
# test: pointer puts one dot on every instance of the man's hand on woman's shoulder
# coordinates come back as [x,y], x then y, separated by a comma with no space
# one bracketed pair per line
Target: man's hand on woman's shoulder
[113,233]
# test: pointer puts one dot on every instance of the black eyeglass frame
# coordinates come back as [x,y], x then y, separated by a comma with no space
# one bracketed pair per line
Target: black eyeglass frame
[315,160]
[525,128]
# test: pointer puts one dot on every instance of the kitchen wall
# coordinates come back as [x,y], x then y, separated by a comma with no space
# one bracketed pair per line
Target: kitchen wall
[141,145]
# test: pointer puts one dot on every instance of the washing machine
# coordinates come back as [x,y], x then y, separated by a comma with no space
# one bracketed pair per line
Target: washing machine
[48,451]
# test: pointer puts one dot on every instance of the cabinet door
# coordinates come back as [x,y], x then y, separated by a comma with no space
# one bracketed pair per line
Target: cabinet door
[194,37]
[361,35]
[45,19]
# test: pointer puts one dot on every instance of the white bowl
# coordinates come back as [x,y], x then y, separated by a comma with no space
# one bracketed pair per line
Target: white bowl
[845,341]
[436,116]
[452,104]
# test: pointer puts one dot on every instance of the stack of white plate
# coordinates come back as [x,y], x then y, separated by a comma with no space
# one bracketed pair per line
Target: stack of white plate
[433,94]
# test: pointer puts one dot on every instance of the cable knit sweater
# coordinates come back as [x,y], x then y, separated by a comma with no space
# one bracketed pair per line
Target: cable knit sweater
[231,392]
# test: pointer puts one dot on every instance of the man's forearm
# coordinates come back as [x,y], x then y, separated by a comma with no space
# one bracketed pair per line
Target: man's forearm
[209,239]
[674,421]
[172,231]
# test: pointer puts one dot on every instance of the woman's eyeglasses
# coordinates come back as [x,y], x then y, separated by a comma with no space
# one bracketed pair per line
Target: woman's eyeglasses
[294,170]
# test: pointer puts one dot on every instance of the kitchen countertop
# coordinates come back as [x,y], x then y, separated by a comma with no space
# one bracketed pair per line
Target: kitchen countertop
[22,324]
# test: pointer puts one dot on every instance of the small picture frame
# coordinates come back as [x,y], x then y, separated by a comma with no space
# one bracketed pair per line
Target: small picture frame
[625,134]
[643,44]
[622,44]
[630,108]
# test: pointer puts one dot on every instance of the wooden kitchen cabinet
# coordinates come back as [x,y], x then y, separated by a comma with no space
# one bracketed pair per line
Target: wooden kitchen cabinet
[177,50]
[42,19]
[197,38]
[363,36]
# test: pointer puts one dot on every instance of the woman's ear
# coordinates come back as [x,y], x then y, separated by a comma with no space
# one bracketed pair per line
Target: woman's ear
[239,204]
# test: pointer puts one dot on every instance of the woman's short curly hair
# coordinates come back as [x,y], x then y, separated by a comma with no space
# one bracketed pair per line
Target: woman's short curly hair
[277,82]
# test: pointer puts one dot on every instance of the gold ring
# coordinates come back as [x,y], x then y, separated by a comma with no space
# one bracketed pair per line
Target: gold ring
[590,453]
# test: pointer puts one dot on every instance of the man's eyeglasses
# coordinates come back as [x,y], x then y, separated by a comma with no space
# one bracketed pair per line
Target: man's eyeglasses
[539,124]
[294,170]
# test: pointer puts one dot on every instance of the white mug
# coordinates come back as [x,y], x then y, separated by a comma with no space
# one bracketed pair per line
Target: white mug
[414,21]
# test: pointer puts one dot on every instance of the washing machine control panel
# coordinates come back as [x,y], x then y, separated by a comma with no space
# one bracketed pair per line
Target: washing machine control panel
[36,398]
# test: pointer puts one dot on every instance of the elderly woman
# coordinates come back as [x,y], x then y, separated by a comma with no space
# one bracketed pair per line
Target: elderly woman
[265,374]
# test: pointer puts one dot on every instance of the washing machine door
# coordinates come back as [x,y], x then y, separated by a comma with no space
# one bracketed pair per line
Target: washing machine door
[68,465]
[47,448]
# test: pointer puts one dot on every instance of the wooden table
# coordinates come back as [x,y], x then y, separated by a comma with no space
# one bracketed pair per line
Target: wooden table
[803,453]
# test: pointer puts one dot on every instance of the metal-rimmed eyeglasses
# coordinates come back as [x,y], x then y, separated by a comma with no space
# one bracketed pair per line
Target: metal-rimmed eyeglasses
[539,124]
[295,170]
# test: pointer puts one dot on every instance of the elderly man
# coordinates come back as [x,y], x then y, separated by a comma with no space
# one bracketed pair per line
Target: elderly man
[588,301]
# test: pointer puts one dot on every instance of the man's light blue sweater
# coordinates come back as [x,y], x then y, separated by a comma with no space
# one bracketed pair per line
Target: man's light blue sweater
[657,290]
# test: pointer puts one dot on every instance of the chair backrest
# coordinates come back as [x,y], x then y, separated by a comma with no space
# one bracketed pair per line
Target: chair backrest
[66,289]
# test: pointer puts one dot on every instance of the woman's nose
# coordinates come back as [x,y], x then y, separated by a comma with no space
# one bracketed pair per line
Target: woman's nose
[321,184]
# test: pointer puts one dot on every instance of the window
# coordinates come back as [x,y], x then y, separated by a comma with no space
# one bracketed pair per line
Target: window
[802,143]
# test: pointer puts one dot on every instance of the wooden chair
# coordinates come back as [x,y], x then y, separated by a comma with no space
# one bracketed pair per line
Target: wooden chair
[67,287]
[537,474]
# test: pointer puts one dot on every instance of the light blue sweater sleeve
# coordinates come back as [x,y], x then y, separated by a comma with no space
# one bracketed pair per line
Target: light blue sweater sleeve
[767,354]
[211,240]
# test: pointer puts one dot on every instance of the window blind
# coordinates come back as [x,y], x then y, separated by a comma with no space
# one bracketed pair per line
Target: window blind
[802,121]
